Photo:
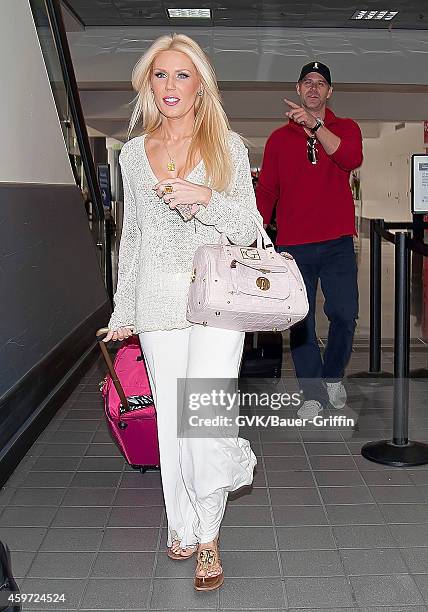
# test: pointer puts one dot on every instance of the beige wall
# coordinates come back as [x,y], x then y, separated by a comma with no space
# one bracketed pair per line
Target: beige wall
[32,145]
[385,173]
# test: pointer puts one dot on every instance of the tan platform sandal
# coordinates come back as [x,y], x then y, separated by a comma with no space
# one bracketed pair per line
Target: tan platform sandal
[209,572]
[185,553]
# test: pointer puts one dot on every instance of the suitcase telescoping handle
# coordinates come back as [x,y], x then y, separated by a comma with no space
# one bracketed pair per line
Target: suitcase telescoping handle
[100,335]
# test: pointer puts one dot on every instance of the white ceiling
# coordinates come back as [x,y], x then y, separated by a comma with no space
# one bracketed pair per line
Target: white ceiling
[263,54]
[261,13]
[379,75]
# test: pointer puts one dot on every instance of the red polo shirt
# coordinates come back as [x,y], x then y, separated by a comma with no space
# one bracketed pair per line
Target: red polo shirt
[313,201]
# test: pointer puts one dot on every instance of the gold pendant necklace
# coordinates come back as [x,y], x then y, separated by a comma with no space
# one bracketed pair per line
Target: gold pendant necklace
[171,163]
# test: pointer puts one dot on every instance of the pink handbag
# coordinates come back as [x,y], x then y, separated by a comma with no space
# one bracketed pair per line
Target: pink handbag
[246,288]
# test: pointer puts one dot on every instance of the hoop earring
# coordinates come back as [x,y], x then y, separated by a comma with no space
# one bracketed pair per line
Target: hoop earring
[200,93]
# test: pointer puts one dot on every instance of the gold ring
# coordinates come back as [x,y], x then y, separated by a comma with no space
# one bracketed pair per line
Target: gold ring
[167,189]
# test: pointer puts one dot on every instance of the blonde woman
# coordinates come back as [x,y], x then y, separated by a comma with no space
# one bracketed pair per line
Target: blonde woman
[186,180]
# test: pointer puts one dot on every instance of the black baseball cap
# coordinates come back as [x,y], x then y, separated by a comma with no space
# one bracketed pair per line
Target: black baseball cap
[322,69]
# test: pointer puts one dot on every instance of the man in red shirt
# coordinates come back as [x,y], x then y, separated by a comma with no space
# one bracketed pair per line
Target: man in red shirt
[305,174]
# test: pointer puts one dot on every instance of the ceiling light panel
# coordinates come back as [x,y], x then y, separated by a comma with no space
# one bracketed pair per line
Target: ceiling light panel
[189,13]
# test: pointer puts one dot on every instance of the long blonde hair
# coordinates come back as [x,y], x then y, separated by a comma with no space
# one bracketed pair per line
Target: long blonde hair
[211,127]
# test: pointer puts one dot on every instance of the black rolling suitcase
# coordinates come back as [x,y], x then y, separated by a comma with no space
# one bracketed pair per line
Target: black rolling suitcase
[262,357]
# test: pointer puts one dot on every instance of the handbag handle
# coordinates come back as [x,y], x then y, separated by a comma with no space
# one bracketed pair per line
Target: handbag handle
[100,335]
[263,240]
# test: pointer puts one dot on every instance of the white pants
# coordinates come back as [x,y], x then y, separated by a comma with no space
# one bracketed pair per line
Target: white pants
[197,473]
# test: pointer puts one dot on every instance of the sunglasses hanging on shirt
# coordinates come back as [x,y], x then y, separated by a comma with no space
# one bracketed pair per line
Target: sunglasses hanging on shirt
[312,151]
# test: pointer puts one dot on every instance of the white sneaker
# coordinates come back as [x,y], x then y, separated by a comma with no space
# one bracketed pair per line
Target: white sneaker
[309,409]
[336,394]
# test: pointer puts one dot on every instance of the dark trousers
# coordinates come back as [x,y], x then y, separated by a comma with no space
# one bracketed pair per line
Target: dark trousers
[333,263]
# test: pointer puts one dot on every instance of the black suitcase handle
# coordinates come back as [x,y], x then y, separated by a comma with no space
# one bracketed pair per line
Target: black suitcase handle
[100,335]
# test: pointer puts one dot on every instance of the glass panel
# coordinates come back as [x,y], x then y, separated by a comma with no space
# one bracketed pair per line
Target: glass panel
[62,97]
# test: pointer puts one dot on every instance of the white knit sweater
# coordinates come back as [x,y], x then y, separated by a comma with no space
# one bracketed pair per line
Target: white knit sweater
[157,245]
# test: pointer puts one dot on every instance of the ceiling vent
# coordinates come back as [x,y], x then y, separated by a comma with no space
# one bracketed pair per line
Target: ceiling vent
[374,15]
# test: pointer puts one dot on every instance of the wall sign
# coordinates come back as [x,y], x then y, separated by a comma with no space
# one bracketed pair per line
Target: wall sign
[103,171]
[420,183]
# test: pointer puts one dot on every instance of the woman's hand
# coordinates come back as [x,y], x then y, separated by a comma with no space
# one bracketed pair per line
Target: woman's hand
[118,334]
[183,192]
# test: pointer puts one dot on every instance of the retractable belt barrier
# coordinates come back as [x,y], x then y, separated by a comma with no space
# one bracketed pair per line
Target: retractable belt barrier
[380,229]
[400,451]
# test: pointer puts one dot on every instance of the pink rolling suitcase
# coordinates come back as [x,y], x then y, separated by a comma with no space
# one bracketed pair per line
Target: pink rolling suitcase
[128,404]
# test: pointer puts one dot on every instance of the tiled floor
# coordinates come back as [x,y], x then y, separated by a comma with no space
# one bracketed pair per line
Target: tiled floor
[322,528]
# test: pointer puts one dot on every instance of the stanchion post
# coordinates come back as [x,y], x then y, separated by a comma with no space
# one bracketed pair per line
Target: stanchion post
[400,451]
[401,339]
[107,261]
[417,259]
[375,298]
[418,227]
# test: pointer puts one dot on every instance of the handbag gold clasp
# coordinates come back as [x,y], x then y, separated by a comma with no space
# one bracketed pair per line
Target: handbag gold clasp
[263,283]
